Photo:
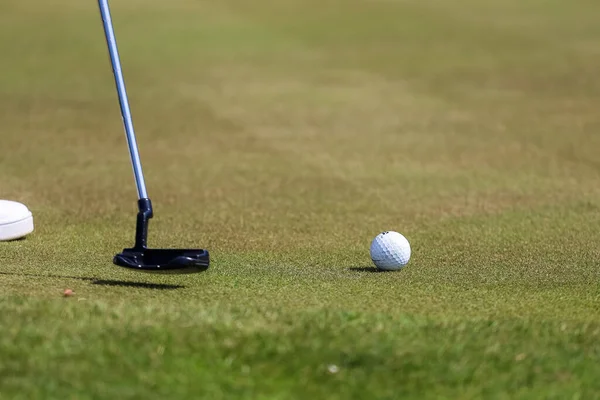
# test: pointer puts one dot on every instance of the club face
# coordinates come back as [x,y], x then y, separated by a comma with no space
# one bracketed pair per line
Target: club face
[164,261]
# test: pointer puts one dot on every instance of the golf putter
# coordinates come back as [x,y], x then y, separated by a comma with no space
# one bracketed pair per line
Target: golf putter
[140,257]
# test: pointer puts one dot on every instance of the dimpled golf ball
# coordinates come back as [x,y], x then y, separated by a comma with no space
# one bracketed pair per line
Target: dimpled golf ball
[390,251]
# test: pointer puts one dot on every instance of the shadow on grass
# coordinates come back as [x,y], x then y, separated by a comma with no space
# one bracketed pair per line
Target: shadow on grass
[365,269]
[143,285]
[103,282]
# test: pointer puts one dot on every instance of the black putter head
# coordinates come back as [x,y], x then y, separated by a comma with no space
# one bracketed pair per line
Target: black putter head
[165,261]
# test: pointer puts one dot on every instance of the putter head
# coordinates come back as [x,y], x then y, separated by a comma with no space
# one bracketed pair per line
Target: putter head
[162,261]
[165,261]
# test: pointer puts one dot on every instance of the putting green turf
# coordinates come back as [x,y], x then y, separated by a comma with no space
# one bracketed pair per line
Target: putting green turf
[283,136]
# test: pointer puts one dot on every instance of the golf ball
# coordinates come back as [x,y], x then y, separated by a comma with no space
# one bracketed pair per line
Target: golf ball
[390,251]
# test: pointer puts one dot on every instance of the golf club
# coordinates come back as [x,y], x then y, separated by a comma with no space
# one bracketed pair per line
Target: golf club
[141,258]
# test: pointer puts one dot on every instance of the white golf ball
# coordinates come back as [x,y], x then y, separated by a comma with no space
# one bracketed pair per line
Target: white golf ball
[390,251]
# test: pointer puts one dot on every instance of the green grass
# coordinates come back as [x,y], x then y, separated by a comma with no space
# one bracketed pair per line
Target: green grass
[283,136]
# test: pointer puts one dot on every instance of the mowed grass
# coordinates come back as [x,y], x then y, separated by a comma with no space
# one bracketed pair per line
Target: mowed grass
[283,136]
